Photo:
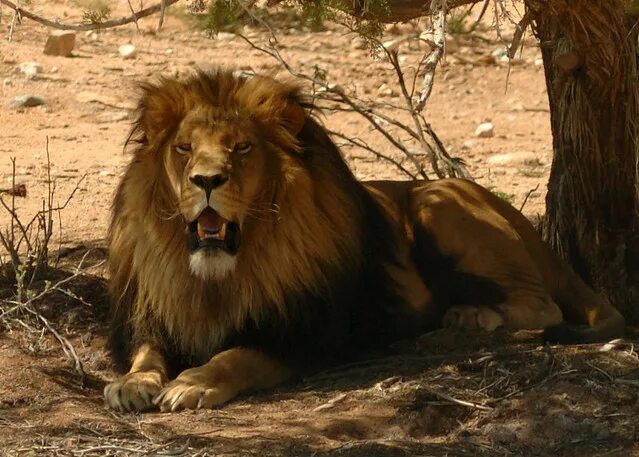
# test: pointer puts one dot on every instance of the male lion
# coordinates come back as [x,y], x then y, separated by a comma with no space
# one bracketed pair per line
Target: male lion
[243,251]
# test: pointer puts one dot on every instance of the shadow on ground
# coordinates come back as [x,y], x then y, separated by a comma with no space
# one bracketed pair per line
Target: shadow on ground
[445,393]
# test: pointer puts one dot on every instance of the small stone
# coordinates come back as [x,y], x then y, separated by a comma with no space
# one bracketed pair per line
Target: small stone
[521,158]
[392,45]
[112,116]
[30,69]
[26,101]
[539,62]
[60,43]
[106,173]
[385,91]
[6,82]
[168,52]
[499,52]
[128,51]
[485,130]
[225,36]
[9,60]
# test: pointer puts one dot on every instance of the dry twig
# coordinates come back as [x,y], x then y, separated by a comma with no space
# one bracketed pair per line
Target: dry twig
[137,26]
[82,27]
[437,51]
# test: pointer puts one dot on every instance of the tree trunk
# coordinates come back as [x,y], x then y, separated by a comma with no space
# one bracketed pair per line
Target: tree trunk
[589,48]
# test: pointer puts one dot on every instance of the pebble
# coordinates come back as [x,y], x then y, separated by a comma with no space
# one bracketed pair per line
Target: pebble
[26,101]
[499,52]
[127,51]
[485,130]
[30,69]
[112,116]
[385,91]
[539,62]
[225,36]
[522,158]
[60,43]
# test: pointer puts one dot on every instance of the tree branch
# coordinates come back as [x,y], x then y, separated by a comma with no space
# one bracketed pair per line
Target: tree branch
[80,27]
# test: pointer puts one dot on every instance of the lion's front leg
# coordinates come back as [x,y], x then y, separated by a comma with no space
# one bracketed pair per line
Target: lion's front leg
[135,390]
[225,376]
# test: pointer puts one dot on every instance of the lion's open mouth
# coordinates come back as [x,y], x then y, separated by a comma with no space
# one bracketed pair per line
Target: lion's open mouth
[211,230]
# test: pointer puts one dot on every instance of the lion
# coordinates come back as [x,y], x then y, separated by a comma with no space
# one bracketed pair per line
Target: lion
[243,251]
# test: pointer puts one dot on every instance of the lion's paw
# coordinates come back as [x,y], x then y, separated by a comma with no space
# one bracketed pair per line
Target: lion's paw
[192,389]
[133,391]
[472,318]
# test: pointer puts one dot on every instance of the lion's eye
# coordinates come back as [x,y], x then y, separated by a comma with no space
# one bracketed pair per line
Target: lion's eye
[183,148]
[242,148]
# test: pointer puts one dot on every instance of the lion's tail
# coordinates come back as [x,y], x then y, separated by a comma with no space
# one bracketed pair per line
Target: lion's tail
[588,317]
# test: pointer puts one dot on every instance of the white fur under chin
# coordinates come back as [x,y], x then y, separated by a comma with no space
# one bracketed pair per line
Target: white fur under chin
[212,264]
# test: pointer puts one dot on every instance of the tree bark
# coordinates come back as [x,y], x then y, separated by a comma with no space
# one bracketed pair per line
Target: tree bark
[589,48]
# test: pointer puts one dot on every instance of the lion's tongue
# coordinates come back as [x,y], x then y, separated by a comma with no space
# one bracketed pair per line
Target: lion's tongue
[211,225]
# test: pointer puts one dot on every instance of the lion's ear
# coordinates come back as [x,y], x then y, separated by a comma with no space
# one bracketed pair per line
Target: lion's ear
[293,117]
[273,103]
[161,107]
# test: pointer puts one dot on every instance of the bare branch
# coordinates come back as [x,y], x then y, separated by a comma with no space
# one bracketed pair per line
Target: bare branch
[137,26]
[437,51]
[80,27]
[162,10]
[520,28]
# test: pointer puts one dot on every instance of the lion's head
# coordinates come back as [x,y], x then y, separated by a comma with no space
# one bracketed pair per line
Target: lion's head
[226,144]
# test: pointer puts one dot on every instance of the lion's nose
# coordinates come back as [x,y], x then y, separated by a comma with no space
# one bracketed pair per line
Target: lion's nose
[208,183]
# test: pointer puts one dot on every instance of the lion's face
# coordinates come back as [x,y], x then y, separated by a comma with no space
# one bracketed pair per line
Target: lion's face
[221,166]
[218,150]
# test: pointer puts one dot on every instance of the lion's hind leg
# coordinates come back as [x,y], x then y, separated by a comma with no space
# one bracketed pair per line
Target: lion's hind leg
[476,248]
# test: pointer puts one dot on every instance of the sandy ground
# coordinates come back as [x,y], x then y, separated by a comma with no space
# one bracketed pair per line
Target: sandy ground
[446,394]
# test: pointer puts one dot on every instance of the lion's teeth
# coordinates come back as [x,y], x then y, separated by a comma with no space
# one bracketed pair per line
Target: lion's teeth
[222,233]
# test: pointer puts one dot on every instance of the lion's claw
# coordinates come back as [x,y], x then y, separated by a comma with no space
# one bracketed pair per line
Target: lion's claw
[179,395]
[133,391]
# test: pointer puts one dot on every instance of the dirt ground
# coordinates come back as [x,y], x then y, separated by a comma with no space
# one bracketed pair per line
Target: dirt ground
[447,393]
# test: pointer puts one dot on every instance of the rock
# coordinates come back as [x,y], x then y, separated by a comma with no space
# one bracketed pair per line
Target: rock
[521,158]
[9,59]
[106,173]
[60,43]
[112,116]
[30,69]
[26,101]
[485,130]
[539,62]
[128,51]
[6,82]
[392,45]
[225,36]
[499,52]
[385,91]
